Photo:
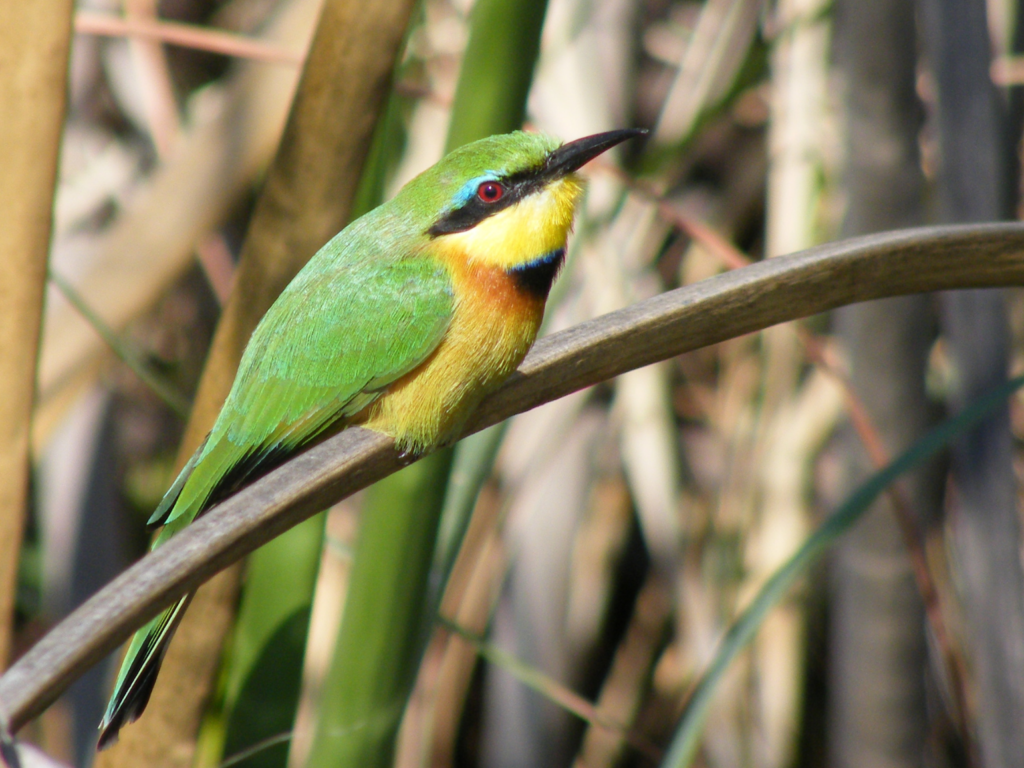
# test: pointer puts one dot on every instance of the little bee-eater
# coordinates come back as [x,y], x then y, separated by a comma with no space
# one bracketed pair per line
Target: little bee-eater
[401,323]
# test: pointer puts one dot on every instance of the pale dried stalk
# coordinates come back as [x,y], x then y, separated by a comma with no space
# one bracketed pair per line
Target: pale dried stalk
[649,448]
[723,307]
[798,105]
[621,697]
[797,433]
[799,102]
[431,724]
[714,55]
[544,516]
[34,41]
[325,620]
[150,61]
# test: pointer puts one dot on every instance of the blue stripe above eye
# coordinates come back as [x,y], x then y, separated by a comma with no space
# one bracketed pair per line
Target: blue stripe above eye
[465,194]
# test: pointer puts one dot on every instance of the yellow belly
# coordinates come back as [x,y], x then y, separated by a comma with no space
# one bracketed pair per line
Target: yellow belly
[493,326]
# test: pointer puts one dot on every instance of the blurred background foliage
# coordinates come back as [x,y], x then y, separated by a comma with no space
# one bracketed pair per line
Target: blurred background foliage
[590,555]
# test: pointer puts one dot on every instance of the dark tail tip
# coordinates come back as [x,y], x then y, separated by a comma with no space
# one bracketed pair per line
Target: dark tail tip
[108,736]
[128,710]
[130,706]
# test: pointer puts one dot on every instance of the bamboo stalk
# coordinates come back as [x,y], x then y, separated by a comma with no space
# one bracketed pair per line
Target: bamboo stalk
[723,307]
[34,43]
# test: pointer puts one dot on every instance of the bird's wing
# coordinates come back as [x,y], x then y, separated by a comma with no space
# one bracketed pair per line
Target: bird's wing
[326,349]
[339,334]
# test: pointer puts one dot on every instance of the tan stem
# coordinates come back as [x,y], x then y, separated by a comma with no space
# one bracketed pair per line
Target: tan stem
[34,40]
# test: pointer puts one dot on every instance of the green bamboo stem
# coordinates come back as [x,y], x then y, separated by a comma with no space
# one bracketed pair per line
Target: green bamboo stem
[387,615]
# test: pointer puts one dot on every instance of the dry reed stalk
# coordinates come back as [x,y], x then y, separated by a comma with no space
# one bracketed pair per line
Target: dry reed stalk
[622,693]
[34,43]
[715,52]
[530,616]
[872,441]
[325,619]
[798,106]
[649,447]
[431,724]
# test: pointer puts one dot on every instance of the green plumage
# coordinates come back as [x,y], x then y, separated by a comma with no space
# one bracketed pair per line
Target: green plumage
[368,308]
[319,355]
[324,351]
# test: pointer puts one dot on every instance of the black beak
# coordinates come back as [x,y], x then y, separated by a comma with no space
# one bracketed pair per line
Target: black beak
[574,155]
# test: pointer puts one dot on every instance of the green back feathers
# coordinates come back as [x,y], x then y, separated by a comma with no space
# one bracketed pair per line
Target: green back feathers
[355,319]
[366,309]
[369,307]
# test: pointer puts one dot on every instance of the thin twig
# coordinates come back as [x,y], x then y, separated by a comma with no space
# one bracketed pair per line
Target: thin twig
[149,61]
[186,36]
[723,307]
[218,265]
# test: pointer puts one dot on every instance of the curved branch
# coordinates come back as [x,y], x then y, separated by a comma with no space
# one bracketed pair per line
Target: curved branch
[726,306]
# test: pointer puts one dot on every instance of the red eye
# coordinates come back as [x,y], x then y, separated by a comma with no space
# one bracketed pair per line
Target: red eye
[490,191]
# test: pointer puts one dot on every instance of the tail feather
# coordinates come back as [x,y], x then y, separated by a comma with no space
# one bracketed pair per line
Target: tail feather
[138,672]
[166,504]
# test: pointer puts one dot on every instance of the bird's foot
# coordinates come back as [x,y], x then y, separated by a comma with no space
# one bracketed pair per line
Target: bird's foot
[407,456]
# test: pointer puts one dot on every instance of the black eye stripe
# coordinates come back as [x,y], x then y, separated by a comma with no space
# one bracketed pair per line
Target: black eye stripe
[517,186]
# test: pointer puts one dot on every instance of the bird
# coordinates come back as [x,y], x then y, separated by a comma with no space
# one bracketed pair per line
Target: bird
[401,323]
